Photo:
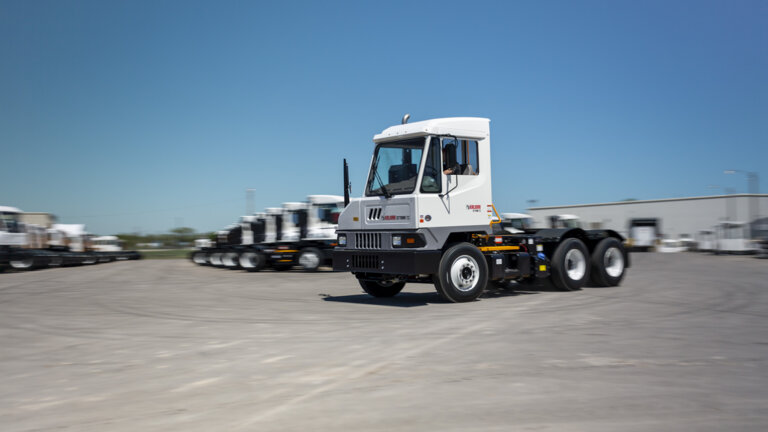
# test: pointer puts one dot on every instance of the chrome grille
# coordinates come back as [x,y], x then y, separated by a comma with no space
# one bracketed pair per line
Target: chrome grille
[368,240]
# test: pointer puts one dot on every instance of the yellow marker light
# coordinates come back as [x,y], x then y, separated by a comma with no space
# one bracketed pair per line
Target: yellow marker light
[355,218]
[410,240]
[542,268]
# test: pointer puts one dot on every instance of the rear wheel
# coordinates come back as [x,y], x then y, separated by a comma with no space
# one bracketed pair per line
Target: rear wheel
[608,264]
[462,275]
[252,261]
[310,259]
[381,288]
[570,268]
[23,263]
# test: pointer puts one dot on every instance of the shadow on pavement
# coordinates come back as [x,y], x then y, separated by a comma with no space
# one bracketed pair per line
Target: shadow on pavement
[406,299]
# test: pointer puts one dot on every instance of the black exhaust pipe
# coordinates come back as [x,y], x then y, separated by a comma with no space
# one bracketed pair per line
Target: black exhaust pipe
[347,186]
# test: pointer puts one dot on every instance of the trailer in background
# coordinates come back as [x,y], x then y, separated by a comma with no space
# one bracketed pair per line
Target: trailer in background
[644,234]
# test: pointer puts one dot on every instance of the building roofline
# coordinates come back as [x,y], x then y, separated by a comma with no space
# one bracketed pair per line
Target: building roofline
[742,195]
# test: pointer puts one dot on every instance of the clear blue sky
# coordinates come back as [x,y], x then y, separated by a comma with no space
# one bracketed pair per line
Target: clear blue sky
[141,115]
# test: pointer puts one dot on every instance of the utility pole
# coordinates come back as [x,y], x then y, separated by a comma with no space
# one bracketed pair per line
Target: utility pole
[249,201]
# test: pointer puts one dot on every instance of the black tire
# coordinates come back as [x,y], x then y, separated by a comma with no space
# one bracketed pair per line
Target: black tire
[462,275]
[231,260]
[199,258]
[24,263]
[570,265]
[253,261]
[282,266]
[381,289]
[310,259]
[608,263]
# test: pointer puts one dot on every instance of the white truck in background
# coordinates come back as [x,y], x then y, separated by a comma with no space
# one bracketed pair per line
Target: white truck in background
[298,233]
[30,246]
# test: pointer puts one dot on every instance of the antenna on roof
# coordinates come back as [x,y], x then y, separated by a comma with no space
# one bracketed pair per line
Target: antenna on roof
[405,119]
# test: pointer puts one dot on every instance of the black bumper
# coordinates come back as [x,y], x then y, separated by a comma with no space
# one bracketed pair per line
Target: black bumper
[402,262]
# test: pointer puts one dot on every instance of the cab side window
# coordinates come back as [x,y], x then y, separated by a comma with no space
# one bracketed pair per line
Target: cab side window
[460,157]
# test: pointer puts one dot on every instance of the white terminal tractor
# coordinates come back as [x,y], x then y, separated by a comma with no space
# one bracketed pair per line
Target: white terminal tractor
[427,215]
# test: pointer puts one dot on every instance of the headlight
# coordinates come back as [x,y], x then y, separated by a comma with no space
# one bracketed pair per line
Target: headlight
[342,239]
[408,240]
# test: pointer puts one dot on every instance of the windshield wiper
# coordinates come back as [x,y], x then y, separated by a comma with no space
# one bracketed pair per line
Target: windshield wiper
[376,174]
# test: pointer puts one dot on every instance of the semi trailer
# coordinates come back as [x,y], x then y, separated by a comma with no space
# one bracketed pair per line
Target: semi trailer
[427,216]
[30,246]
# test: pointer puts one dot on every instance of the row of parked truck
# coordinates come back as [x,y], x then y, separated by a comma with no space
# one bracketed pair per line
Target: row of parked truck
[298,233]
[25,246]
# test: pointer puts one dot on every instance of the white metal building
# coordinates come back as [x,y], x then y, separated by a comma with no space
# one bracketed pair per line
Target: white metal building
[677,216]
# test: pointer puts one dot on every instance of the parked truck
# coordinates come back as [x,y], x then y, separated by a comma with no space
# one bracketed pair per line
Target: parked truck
[30,246]
[298,233]
[427,216]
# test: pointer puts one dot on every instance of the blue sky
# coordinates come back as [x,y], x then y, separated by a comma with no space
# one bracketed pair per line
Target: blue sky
[140,116]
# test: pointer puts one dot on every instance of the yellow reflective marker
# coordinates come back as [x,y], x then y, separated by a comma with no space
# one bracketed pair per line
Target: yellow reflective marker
[542,268]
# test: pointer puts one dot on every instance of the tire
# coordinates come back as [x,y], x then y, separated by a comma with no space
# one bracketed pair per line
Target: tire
[381,289]
[215,259]
[570,265]
[462,275]
[199,258]
[231,260]
[252,261]
[310,259]
[23,263]
[608,263]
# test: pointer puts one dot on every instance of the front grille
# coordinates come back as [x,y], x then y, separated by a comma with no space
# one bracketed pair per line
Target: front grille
[365,261]
[368,240]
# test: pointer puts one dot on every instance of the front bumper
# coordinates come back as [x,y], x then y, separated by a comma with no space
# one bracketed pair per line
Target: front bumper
[401,262]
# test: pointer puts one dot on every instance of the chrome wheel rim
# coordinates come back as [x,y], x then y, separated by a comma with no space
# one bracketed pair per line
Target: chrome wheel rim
[309,260]
[22,264]
[613,261]
[248,260]
[199,258]
[575,264]
[464,273]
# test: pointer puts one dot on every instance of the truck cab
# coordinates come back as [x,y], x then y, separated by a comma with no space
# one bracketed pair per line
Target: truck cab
[427,215]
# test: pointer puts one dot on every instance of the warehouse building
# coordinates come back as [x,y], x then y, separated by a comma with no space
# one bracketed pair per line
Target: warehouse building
[677,217]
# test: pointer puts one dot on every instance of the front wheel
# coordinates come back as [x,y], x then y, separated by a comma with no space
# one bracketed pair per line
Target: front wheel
[608,264]
[310,259]
[570,269]
[462,275]
[381,288]
[253,261]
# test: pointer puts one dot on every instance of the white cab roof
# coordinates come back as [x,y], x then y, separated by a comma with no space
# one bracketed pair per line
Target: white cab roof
[71,230]
[274,210]
[6,209]
[294,205]
[464,127]
[514,216]
[325,199]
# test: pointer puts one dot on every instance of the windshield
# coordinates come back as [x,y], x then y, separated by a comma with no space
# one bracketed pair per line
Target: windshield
[328,213]
[10,222]
[395,167]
